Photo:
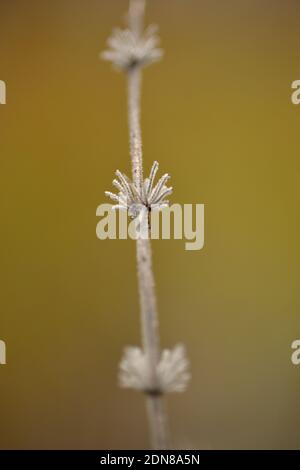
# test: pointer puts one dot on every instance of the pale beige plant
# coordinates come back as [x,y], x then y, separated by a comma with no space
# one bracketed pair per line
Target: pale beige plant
[172,371]
[133,199]
[149,369]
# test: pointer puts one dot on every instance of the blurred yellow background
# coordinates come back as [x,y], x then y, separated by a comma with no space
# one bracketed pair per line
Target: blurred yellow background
[218,117]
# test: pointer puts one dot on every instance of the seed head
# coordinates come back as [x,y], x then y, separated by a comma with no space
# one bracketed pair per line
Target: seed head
[172,371]
[127,49]
[150,196]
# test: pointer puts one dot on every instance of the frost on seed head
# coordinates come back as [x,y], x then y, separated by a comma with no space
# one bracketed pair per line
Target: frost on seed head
[172,371]
[150,196]
[128,49]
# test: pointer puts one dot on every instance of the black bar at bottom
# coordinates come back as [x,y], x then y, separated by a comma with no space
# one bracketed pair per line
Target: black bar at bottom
[141,458]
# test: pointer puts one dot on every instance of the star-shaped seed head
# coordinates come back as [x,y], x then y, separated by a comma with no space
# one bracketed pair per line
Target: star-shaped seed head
[127,49]
[149,196]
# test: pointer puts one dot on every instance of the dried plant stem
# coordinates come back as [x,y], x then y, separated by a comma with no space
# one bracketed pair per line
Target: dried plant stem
[149,314]
[136,15]
[146,369]
[134,98]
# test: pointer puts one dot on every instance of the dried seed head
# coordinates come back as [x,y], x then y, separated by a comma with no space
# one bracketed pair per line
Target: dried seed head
[172,371]
[127,49]
[134,200]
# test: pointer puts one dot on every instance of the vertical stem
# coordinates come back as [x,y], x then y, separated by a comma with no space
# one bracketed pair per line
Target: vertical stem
[149,316]
[158,422]
[134,98]
[136,16]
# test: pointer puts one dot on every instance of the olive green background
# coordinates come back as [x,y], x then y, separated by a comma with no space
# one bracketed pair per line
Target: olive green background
[217,114]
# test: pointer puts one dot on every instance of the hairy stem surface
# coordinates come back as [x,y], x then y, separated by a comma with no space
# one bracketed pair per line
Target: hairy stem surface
[149,314]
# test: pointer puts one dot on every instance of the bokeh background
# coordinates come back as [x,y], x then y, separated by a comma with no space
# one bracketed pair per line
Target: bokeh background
[217,115]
